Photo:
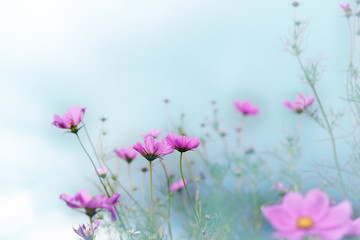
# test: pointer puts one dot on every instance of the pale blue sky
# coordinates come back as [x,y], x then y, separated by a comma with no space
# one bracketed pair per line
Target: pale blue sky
[120,59]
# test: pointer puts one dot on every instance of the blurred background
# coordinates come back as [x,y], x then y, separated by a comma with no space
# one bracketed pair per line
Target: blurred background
[120,59]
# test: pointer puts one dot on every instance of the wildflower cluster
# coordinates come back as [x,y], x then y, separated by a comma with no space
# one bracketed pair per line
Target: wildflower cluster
[222,187]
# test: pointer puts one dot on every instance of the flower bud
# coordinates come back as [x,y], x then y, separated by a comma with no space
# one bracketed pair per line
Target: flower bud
[295,3]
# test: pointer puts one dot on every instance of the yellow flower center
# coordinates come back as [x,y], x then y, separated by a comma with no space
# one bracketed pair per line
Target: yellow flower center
[305,223]
[71,124]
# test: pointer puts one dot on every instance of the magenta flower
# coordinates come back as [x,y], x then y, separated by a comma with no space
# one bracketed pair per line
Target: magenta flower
[246,108]
[82,199]
[310,215]
[153,148]
[177,186]
[128,154]
[102,172]
[86,232]
[300,104]
[182,143]
[153,133]
[70,120]
[346,8]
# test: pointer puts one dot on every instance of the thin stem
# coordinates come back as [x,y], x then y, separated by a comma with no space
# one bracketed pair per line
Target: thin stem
[332,141]
[124,189]
[129,174]
[241,131]
[102,183]
[299,123]
[91,143]
[152,202]
[187,192]
[92,227]
[169,198]
[351,44]
[117,167]
[308,78]
[185,204]
[143,190]
[92,162]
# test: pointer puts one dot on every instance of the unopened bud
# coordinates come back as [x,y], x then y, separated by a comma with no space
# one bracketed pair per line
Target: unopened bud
[295,3]
[223,133]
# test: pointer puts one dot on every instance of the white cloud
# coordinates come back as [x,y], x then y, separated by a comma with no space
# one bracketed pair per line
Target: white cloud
[19,213]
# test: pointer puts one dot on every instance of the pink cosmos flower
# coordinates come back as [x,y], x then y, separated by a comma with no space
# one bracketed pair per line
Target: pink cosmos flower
[153,148]
[70,120]
[346,8]
[182,143]
[128,154]
[102,172]
[83,199]
[177,186]
[310,215]
[300,104]
[153,133]
[246,108]
[86,232]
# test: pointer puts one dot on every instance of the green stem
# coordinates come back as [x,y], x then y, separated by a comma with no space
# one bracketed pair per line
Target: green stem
[92,227]
[92,162]
[332,141]
[152,202]
[241,133]
[130,181]
[124,189]
[143,190]
[169,198]
[102,183]
[187,192]
[91,143]
[329,129]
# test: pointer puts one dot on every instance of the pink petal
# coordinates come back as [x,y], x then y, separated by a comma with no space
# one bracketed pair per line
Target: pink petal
[293,202]
[193,142]
[336,216]
[171,138]
[316,204]
[280,218]
[83,196]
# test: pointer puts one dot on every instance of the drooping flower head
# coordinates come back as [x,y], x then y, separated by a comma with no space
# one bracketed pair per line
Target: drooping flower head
[86,232]
[153,133]
[70,120]
[300,104]
[246,107]
[128,154]
[346,8]
[177,186]
[310,215]
[102,172]
[182,143]
[84,200]
[153,148]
